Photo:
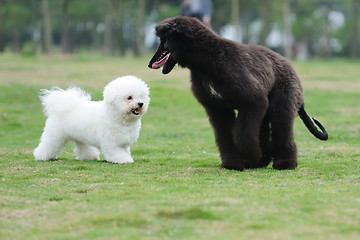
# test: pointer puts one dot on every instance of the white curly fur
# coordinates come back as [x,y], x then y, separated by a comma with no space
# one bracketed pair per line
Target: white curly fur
[111,125]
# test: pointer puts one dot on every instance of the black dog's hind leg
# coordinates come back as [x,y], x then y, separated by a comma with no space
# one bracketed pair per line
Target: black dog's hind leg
[222,121]
[284,147]
[246,132]
[265,144]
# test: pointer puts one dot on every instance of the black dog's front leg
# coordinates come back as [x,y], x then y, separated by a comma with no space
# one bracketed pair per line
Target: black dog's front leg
[222,121]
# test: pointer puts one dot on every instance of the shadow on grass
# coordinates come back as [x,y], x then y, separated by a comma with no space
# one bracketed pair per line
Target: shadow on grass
[188,213]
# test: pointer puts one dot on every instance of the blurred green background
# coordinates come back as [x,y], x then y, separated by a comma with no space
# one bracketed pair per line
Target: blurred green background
[298,29]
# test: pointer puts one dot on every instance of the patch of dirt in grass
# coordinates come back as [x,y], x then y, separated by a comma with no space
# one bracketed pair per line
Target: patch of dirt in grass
[190,213]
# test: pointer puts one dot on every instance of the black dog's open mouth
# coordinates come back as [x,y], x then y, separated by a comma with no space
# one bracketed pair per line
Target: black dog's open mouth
[136,111]
[162,58]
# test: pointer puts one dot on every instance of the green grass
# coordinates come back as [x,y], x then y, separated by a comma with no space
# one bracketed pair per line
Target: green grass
[175,189]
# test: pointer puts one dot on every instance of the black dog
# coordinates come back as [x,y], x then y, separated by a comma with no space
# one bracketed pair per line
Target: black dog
[250,93]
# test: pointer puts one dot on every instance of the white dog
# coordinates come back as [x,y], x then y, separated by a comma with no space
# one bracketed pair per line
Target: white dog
[111,125]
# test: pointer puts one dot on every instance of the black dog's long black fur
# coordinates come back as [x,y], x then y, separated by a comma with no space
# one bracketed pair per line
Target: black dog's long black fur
[250,93]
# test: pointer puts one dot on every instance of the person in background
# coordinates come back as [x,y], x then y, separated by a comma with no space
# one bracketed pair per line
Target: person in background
[201,9]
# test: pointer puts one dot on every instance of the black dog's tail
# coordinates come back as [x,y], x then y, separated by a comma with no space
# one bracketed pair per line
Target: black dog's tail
[323,135]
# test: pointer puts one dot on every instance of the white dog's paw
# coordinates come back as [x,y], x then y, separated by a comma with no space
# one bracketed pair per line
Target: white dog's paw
[118,155]
[41,158]
[91,154]
[86,158]
[85,152]
[121,161]
[40,155]
[121,157]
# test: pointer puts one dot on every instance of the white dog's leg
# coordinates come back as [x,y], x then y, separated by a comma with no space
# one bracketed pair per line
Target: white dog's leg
[85,152]
[44,153]
[52,143]
[117,155]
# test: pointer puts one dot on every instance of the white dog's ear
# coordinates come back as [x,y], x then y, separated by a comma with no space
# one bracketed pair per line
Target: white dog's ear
[109,94]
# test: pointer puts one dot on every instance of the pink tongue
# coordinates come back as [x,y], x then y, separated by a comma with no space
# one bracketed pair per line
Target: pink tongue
[160,63]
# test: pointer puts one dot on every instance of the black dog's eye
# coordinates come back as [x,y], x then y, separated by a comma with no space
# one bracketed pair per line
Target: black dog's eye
[129,98]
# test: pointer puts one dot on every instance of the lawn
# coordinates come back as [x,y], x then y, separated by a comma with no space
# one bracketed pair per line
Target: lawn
[175,189]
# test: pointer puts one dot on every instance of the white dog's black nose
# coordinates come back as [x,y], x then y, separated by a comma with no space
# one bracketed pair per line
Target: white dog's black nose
[140,104]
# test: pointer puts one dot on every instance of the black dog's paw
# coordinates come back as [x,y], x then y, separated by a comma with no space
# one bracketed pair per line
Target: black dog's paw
[232,165]
[262,163]
[284,164]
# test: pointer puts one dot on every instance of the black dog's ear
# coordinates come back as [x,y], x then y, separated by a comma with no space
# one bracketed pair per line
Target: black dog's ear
[182,31]
[163,30]
[173,29]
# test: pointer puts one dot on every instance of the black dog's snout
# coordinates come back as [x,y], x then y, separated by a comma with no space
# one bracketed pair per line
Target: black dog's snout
[140,104]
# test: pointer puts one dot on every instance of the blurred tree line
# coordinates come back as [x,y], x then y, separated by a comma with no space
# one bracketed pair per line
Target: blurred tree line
[295,28]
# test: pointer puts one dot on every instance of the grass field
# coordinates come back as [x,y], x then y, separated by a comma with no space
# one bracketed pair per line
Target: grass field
[175,189]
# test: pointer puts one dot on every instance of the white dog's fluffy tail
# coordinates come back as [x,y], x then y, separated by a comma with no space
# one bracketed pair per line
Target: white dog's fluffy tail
[57,100]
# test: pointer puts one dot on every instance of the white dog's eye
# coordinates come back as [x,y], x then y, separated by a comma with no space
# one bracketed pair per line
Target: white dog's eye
[129,98]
